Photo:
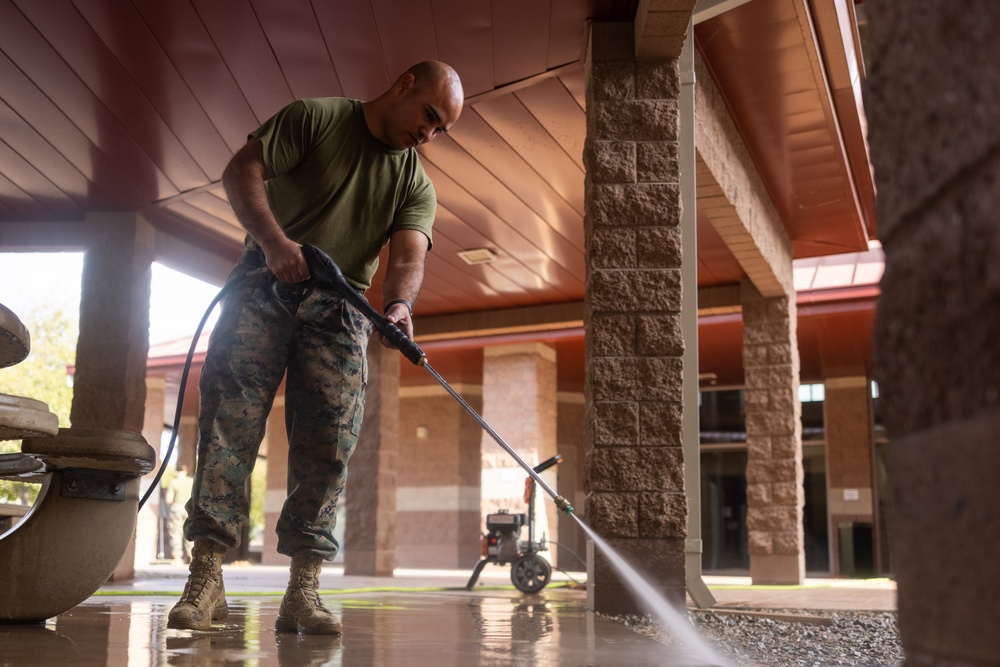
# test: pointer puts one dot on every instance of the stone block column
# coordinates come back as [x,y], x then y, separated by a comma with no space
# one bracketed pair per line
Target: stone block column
[439,495]
[109,386]
[519,402]
[933,103]
[848,420]
[775,495]
[370,536]
[634,344]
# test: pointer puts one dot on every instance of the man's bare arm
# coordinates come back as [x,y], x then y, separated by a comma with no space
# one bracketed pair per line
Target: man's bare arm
[403,277]
[244,180]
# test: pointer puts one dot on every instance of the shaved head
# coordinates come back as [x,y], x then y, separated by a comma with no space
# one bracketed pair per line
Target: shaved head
[433,74]
[424,102]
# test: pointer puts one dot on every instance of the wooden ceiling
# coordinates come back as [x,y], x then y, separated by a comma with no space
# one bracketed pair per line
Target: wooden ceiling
[122,105]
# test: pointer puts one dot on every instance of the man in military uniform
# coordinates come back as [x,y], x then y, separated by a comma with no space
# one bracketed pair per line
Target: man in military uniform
[343,175]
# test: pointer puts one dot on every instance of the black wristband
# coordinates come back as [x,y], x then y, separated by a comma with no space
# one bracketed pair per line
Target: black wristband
[406,303]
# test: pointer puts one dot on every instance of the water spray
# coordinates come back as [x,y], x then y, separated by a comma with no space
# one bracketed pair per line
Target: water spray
[326,272]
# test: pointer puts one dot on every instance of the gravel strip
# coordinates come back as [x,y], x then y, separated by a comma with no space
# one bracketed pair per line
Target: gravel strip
[854,639]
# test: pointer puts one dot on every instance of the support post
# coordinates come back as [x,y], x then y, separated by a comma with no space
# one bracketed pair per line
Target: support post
[691,433]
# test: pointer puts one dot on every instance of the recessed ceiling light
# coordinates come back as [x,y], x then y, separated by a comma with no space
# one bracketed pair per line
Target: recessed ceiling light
[477,255]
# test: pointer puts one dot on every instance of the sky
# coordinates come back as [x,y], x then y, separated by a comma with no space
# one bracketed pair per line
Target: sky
[177,301]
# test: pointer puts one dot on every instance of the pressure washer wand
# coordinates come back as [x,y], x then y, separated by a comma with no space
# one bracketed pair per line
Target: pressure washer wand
[325,271]
[561,502]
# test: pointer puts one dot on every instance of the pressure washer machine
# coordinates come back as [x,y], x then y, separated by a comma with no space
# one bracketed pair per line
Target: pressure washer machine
[502,542]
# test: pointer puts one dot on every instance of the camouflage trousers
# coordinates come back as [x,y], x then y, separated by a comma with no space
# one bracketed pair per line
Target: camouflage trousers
[321,342]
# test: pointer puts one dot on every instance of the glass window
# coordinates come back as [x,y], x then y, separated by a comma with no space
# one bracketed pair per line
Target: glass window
[722,416]
[812,393]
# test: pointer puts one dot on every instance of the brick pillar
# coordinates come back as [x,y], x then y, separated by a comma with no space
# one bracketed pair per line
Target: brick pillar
[439,495]
[848,419]
[933,101]
[109,386]
[634,347]
[775,494]
[276,484]
[370,536]
[519,402]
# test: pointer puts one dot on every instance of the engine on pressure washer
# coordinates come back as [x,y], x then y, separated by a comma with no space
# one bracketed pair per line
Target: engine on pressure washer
[502,542]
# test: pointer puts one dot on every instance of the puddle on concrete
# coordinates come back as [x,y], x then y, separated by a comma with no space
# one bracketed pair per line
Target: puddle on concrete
[440,629]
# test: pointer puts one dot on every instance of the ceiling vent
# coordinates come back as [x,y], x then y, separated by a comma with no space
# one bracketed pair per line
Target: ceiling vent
[477,256]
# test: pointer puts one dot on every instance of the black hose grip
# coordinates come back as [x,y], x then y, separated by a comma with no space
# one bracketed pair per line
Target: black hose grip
[326,272]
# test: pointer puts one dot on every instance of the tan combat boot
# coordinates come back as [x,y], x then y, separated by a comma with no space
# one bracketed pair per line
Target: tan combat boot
[204,598]
[301,609]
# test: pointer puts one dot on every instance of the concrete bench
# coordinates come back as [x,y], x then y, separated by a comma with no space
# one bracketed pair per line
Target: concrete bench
[71,540]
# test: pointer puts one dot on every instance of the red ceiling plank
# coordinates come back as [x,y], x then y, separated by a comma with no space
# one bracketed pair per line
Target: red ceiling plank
[464,33]
[567,32]
[217,226]
[452,235]
[213,205]
[29,145]
[181,34]
[505,274]
[429,300]
[465,289]
[297,41]
[36,186]
[782,109]
[520,39]
[449,285]
[441,294]
[523,268]
[55,128]
[406,32]
[355,47]
[30,53]
[576,83]
[716,263]
[485,202]
[23,206]
[126,35]
[181,227]
[518,174]
[814,138]
[239,37]
[553,105]
[477,280]
[72,38]
[521,130]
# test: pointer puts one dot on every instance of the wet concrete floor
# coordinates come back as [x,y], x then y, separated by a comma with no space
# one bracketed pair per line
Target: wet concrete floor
[441,628]
[414,618]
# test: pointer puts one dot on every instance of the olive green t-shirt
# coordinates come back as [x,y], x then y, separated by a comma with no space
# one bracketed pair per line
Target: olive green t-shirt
[338,187]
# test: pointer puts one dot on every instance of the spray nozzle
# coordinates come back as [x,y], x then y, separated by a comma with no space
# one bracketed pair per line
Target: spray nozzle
[564,505]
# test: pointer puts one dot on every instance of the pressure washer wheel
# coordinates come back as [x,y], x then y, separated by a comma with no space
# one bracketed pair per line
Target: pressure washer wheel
[530,573]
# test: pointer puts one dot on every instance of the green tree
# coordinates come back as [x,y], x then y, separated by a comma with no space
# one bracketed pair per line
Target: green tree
[42,376]
[258,485]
